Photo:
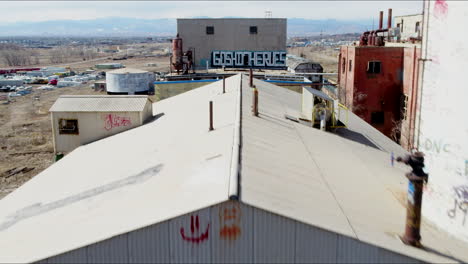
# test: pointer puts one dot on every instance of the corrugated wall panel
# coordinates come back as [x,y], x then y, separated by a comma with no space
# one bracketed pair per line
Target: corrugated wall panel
[386,256]
[114,250]
[274,238]
[190,237]
[74,256]
[314,245]
[232,233]
[353,251]
[150,244]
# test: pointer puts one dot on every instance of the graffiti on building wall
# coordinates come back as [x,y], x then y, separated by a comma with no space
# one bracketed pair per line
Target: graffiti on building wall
[248,59]
[196,234]
[229,219]
[436,146]
[112,120]
[460,203]
[440,8]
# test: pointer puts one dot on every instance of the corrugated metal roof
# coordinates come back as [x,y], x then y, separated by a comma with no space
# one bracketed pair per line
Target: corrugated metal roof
[173,166]
[100,103]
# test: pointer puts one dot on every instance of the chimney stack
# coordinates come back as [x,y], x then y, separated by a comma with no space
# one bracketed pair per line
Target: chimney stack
[389,20]
[381,20]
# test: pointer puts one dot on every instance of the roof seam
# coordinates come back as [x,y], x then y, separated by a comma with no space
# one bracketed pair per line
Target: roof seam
[235,154]
[326,182]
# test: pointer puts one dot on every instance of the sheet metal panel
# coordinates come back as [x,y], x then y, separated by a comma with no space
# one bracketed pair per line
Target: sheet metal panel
[150,244]
[232,233]
[114,250]
[190,237]
[386,256]
[353,251]
[315,245]
[274,238]
[74,256]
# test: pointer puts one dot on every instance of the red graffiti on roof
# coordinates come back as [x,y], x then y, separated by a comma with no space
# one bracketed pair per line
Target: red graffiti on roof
[111,121]
[195,237]
[230,218]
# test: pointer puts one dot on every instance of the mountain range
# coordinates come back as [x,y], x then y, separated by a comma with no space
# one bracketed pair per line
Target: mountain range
[118,26]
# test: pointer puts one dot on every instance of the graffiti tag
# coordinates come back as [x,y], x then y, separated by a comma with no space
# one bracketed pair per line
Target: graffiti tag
[241,59]
[230,217]
[195,237]
[460,203]
[436,146]
[440,8]
[111,121]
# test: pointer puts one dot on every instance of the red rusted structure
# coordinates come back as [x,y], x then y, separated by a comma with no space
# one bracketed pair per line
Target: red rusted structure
[7,71]
[179,60]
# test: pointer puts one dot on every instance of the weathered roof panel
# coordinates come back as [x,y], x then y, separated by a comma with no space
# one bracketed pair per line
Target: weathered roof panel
[100,103]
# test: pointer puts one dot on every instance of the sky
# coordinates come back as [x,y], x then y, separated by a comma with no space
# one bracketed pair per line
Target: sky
[22,11]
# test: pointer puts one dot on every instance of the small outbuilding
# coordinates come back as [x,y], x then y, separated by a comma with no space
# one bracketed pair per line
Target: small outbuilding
[81,119]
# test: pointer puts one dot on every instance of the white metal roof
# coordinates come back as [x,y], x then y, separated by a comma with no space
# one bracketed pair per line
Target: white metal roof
[126,71]
[99,103]
[173,166]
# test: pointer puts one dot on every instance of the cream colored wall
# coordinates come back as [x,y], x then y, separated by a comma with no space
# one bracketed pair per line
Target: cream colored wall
[92,126]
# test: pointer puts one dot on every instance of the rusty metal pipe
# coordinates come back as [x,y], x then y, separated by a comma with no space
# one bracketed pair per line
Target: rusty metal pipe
[255,102]
[211,116]
[381,20]
[251,77]
[389,19]
[416,178]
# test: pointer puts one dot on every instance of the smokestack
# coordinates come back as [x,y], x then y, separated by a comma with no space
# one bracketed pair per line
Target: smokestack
[389,20]
[381,20]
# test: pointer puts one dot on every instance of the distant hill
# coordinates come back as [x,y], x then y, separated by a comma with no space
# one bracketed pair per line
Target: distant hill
[117,26]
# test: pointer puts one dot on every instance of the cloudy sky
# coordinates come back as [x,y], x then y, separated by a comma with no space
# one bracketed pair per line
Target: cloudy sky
[16,11]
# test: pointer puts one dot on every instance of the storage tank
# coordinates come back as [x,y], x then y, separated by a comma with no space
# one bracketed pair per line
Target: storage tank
[129,81]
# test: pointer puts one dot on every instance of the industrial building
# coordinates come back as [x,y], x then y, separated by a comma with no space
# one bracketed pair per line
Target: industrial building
[81,119]
[109,66]
[297,64]
[378,80]
[409,27]
[129,81]
[254,189]
[234,42]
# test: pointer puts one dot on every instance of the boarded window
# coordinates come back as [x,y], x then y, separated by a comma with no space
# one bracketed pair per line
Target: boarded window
[377,118]
[344,65]
[416,28]
[350,65]
[210,30]
[253,30]
[68,126]
[374,67]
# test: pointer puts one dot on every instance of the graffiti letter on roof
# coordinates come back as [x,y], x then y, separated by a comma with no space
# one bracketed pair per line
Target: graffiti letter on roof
[195,234]
[230,217]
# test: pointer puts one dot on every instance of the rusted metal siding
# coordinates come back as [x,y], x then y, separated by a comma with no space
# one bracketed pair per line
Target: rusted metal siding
[315,245]
[114,250]
[230,232]
[273,238]
[149,244]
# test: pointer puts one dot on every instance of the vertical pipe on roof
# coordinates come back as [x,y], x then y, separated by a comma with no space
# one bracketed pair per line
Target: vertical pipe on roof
[235,159]
[389,19]
[211,116]
[381,20]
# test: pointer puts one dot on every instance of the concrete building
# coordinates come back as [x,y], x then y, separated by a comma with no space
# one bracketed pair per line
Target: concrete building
[81,119]
[441,123]
[409,26]
[297,64]
[235,42]
[254,190]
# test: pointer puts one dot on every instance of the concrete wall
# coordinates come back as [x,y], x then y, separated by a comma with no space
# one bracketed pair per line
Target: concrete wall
[129,83]
[443,126]
[92,126]
[407,25]
[231,35]
[410,89]
[230,232]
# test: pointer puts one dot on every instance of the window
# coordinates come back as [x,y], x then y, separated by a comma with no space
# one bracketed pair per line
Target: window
[398,25]
[253,30]
[377,118]
[373,67]
[416,28]
[68,126]
[350,65]
[401,29]
[404,104]
[344,65]
[210,30]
